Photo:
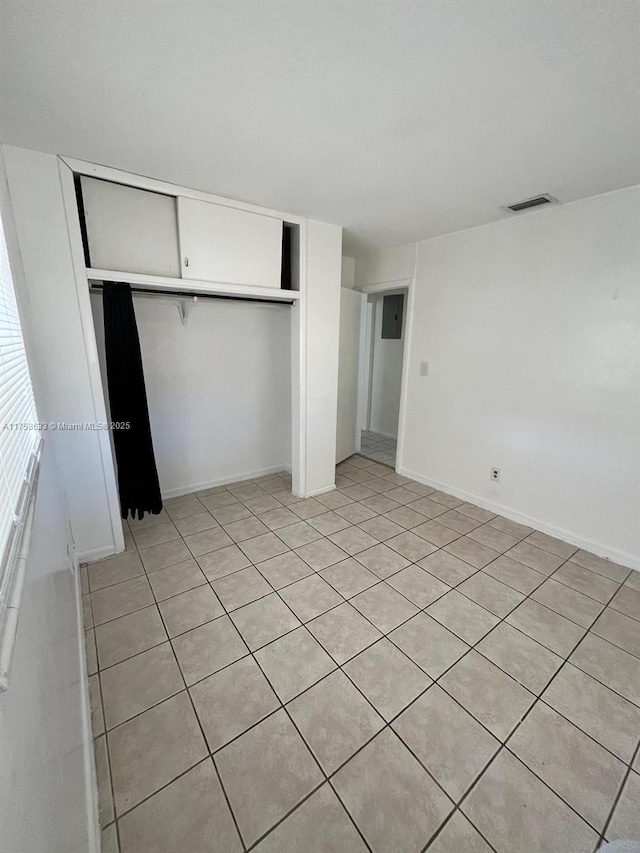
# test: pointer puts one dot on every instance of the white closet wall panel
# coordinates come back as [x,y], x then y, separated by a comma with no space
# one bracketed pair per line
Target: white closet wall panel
[227,245]
[56,322]
[351,315]
[130,230]
[322,333]
[218,389]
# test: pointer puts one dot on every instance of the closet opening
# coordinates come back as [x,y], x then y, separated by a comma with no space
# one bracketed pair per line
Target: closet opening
[218,386]
[216,295]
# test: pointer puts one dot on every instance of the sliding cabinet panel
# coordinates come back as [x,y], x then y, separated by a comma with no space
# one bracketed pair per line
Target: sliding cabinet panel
[224,244]
[130,230]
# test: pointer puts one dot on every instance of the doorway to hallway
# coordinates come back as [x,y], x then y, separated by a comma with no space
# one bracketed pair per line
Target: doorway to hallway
[382,374]
[379,447]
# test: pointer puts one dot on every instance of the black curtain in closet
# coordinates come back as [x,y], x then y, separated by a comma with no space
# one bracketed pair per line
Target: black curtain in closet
[137,475]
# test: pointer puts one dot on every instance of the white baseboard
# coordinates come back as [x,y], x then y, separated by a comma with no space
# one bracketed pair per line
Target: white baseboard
[385,434]
[221,481]
[544,527]
[90,775]
[322,491]
[97,554]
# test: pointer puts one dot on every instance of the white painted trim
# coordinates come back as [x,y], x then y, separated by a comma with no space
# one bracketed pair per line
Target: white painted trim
[299,377]
[216,288]
[558,532]
[322,491]
[363,354]
[91,350]
[367,369]
[222,481]
[407,284]
[99,553]
[384,286]
[90,773]
[406,352]
[106,173]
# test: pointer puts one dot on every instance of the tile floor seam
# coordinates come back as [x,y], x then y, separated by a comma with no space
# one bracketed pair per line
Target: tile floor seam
[283,707]
[108,759]
[388,724]
[635,619]
[515,729]
[458,810]
[628,772]
[545,783]
[612,642]
[565,660]
[575,725]
[326,778]
[537,696]
[366,698]
[384,634]
[204,738]
[588,631]
[381,581]
[586,594]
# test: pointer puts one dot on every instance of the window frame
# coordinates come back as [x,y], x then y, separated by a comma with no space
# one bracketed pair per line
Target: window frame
[20,487]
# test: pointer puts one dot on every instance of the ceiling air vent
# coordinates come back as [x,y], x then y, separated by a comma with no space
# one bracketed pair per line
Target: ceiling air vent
[528,203]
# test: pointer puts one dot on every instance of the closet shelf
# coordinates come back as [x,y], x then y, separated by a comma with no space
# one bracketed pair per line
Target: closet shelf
[196,287]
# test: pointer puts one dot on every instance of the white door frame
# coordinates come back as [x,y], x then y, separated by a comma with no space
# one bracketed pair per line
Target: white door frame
[67,168]
[405,284]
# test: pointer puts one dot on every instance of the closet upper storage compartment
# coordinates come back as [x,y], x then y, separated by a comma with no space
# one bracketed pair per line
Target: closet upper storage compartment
[164,240]
[128,229]
[229,245]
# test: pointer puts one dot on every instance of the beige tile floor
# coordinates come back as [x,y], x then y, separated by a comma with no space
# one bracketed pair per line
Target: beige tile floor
[378,447]
[382,668]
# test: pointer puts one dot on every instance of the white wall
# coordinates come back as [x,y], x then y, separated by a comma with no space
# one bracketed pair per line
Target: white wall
[46,801]
[43,799]
[351,321]
[348,274]
[52,300]
[386,374]
[219,388]
[531,328]
[320,358]
[387,265]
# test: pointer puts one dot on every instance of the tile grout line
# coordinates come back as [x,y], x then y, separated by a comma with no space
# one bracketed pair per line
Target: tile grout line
[504,744]
[202,733]
[618,796]
[283,707]
[401,650]
[400,625]
[383,634]
[380,581]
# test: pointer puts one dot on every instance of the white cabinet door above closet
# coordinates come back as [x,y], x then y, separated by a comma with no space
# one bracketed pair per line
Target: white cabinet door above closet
[224,244]
[129,229]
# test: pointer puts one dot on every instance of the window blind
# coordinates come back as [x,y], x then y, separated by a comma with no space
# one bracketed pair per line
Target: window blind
[19,450]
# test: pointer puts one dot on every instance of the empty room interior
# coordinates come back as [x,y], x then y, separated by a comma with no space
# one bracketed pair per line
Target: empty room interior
[320,426]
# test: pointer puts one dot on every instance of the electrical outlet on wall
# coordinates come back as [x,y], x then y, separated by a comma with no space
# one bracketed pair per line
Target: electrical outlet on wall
[495,475]
[424,368]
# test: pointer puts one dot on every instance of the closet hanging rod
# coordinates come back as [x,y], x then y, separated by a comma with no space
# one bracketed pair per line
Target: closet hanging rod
[183,294]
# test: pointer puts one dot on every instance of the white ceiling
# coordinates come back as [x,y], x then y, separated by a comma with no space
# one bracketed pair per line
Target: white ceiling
[398,120]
